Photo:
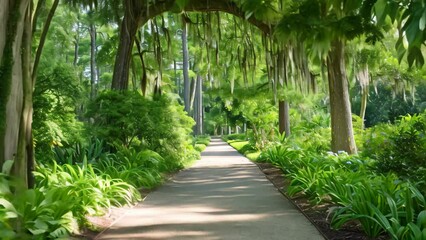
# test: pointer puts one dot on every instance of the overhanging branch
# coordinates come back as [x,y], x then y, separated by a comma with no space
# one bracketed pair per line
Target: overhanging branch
[227,6]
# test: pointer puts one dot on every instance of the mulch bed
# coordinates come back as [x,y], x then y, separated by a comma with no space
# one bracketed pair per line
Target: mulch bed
[318,215]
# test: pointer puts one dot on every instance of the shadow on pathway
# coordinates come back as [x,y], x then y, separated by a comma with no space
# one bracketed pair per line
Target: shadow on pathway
[223,196]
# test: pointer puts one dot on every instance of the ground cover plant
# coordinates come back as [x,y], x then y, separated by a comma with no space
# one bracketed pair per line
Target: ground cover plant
[102,108]
[82,179]
[359,189]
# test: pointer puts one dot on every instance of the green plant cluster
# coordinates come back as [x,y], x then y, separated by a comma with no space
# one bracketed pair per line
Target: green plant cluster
[55,120]
[399,148]
[200,142]
[130,120]
[138,168]
[66,194]
[381,204]
[63,197]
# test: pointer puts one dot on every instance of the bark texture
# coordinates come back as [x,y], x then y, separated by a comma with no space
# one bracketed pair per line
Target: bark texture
[342,138]
[15,52]
[198,107]
[284,118]
[128,31]
[93,70]
[185,60]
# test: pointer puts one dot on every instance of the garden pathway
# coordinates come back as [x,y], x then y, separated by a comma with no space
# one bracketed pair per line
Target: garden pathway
[223,196]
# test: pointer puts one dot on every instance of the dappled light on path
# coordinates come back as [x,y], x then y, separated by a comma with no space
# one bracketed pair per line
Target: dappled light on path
[223,196]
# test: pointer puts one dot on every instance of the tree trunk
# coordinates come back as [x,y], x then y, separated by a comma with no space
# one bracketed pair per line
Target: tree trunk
[186,81]
[198,108]
[364,100]
[284,118]
[342,138]
[16,86]
[43,39]
[138,13]
[93,71]
[76,45]
[128,29]
[283,106]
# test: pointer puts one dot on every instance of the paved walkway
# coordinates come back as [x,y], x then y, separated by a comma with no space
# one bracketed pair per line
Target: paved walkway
[223,196]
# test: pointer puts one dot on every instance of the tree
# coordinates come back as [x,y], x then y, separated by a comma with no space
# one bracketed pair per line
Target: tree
[137,13]
[410,18]
[185,60]
[326,26]
[16,86]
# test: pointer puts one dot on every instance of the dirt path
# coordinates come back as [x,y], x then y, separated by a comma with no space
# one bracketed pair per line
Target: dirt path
[223,196]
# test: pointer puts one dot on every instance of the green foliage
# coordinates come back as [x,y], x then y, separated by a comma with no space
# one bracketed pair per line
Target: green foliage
[312,132]
[91,193]
[199,147]
[77,153]
[235,136]
[380,204]
[129,118]
[138,168]
[55,121]
[202,139]
[399,148]
[45,213]
[411,18]
[387,103]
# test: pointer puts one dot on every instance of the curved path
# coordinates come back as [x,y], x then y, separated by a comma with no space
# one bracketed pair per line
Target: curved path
[223,196]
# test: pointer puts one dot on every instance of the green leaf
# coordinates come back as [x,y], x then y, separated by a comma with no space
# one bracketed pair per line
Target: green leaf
[380,8]
[181,3]
[39,227]
[7,166]
[422,22]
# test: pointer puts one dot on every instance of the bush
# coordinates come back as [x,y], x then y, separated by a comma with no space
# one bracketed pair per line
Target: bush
[381,204]
[138,168]
[399,148]
[200,147]
[130,118]
[92,194]
[235,136]
[202,139]
[43,213]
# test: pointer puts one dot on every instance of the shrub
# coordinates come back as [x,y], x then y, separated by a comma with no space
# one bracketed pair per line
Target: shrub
[202,139]
[199,147]
[235,136]
[138,168]
[43,213]
[399,148]
[129,117]
[92,194]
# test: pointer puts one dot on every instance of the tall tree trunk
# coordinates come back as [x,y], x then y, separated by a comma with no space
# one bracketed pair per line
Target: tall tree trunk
[128,29]
[283,106]
[186,81]
[76,45]
[198,108]
[16,86]
[93,71]
[284,117]
[364,101]
[43,39]
[342,138]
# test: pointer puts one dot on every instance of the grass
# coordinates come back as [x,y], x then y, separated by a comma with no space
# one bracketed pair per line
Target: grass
[245,148]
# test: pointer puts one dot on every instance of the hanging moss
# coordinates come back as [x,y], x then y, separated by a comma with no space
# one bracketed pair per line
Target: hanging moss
[7,62]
